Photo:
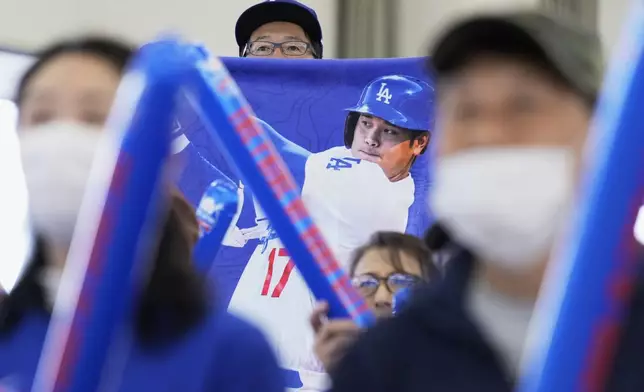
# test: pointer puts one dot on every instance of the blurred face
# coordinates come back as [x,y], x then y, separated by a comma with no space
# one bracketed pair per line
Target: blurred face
[56,179]
[377,141]
[501,103]
[377,279]
[71,87]
[509,146]
[292,37]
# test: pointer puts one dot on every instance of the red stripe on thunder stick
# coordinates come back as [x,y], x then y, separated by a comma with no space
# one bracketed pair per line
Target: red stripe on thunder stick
[230,119]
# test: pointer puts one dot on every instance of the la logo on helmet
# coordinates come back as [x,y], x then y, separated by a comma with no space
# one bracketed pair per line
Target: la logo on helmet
[383,94]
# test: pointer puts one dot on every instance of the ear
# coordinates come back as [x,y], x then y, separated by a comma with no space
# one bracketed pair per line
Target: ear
[420,144]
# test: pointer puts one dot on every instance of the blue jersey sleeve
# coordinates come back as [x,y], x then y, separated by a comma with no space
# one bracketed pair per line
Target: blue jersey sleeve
[293,155]
[244,361]
[419,215]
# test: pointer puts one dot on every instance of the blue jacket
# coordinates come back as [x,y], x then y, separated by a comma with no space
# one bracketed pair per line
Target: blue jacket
[221,354]
[434,346]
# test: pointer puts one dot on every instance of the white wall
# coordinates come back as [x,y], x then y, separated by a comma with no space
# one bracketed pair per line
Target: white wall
[420,20]
[29,24]
[612,14]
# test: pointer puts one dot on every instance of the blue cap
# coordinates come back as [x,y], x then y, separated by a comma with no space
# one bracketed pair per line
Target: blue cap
[401,100]
[278,11]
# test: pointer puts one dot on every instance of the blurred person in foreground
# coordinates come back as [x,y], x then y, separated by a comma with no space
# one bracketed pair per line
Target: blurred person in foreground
[279,29]
[516,94]
[388,263]
[182,339]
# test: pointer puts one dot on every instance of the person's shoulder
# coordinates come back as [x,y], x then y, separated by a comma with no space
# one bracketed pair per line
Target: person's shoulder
[24,341]
[380,359]
[245,337]
[235,327]
[333,152]
[245,360]
[421,345]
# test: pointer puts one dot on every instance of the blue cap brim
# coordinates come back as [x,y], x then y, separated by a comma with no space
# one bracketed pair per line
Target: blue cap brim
[386,113]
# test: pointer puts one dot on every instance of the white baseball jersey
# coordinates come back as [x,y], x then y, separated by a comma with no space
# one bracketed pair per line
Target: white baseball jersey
[272,295]
[349,199]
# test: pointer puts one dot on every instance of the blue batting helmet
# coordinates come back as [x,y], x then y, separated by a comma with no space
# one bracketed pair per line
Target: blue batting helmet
[401,100]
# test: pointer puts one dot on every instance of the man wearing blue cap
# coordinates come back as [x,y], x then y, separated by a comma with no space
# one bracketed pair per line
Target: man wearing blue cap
[365,185]
[279,29]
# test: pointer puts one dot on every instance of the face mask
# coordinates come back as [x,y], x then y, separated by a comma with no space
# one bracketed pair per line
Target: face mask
[505,205]
[57,159]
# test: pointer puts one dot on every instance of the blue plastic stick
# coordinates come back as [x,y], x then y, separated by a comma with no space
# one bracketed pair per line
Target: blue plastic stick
[587,289]
[117,228]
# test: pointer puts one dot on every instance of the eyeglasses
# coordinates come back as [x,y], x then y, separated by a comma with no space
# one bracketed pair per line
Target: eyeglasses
[289,48]
[368,284]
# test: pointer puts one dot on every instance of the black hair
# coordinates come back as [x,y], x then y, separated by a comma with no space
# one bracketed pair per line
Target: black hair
[396,243]
[436,237]
[177,295]
[174,300]
[317,49]
[499,40]
[352,121]
[113,51]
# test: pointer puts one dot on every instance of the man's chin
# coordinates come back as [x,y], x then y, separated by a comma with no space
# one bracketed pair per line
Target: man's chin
[368,157]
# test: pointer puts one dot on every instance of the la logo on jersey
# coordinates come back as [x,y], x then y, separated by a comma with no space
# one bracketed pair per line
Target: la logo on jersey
[383,94]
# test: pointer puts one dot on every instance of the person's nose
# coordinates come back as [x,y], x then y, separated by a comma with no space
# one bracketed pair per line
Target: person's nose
[371,138]
[277,54]
[382,297]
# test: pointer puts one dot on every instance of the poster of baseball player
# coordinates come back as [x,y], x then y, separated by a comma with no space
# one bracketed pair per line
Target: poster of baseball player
[357,152]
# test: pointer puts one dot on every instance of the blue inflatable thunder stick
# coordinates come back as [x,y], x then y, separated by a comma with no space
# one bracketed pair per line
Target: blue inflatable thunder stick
[586,292]
[118,225]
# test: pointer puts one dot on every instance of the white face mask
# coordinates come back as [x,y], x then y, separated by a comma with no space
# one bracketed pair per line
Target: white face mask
[57,159]
[507,204]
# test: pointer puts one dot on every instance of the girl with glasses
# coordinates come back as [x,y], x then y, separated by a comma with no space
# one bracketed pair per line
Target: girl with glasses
[388,263]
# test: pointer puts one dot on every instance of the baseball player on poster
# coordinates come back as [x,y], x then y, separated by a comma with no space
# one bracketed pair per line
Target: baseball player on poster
[351,191]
